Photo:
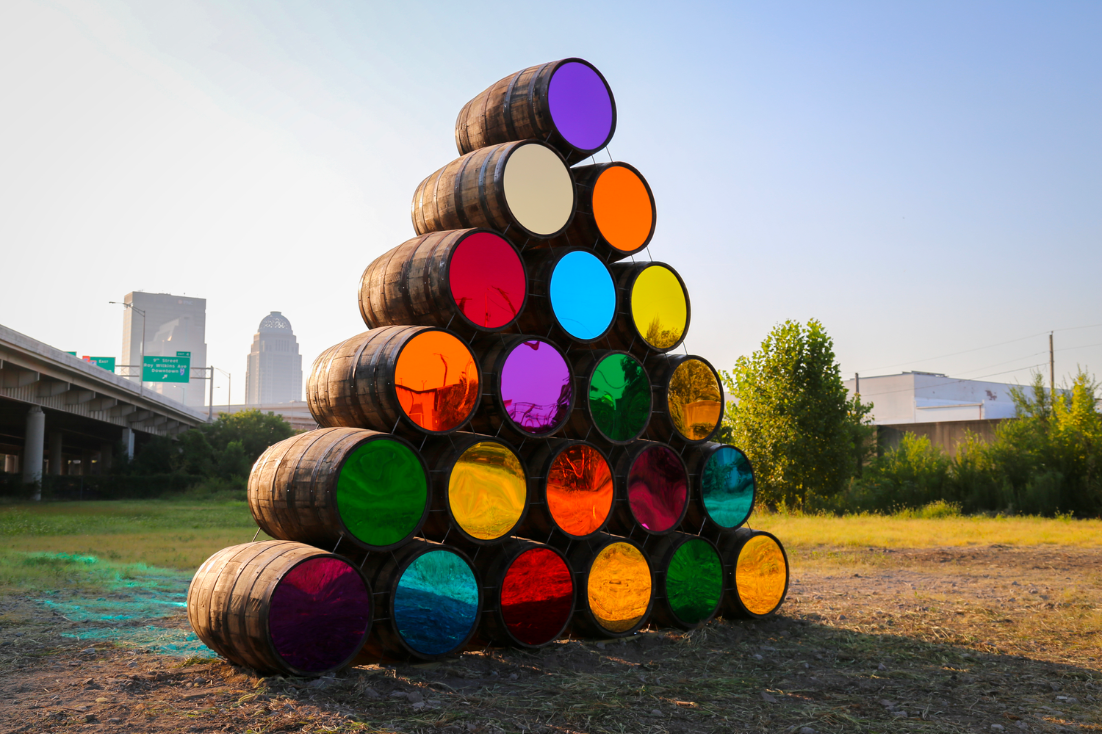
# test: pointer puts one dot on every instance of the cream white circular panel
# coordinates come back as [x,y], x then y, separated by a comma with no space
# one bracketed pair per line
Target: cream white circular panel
[538,189]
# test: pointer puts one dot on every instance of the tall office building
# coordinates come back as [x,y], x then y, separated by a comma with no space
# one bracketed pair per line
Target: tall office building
[274,374]
[172,324]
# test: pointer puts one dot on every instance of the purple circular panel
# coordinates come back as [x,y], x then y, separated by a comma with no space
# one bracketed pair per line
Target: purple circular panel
[318,614]
[536,388]
[581,106]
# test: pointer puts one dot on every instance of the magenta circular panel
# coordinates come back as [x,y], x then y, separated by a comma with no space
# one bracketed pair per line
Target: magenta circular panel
[581,106]
[657,488]
[319,614]
[536,389]
[487,280]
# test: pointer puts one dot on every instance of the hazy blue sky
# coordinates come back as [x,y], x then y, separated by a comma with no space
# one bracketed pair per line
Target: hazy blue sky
[923,177]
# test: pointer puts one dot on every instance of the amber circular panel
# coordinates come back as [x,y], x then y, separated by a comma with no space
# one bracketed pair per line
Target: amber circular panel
[436,379]
[487,490]
[619,588]
[579,490]
[694,399]
[623,208]
[659,307]
[538,189]
[761,575]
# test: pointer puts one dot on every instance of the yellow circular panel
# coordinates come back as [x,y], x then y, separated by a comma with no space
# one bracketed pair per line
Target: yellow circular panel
[487,490]
[659,307]
[538,189]
[694,399]
[761,575]
[619,587]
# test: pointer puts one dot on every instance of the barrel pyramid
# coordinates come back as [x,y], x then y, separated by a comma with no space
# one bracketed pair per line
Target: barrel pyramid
[511,452]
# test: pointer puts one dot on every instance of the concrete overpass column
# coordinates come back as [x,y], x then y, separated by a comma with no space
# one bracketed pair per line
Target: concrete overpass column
[57,454]
[32,447]
[128,441]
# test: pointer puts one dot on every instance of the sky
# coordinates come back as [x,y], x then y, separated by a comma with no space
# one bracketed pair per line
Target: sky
[924,178]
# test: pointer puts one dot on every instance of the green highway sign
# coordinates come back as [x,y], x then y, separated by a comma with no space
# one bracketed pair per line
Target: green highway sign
[107,363]
[167,369]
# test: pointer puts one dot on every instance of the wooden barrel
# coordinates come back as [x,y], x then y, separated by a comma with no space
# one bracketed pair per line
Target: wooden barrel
[340,484]
[571,296]
[467,281]
[615,586]
[688,580]
[570,490]
[428,602]
[653,309]
[615,394]
[529,594]
[527,388]
[281,607]
[722,489]
[415,380]
[757,573]
[522,190]
[652,490]
[479,490]
[688,399]
[616,214]
[568,103]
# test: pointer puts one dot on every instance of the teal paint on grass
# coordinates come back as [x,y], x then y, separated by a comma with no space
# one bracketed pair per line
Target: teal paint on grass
[727,485]
[694,581]
[436,602]
[381,492]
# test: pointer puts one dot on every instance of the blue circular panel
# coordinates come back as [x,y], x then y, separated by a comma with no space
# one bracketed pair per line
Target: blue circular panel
[436,602]
[583,297]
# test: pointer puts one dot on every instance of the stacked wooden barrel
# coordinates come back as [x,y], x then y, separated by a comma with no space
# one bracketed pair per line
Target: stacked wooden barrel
[511,452]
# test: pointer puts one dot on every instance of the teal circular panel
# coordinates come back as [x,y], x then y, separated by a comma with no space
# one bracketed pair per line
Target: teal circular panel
[381,492]
[619,397]
[694,581]
[727,485]
[436,602]
[583,297]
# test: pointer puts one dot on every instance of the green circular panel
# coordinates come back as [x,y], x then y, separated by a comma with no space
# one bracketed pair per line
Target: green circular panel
[694,581]
[381,492]
[619,397]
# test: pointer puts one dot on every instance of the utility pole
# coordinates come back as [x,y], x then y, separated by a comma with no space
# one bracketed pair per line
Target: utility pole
[857,385]
[1051,368]
[210,406]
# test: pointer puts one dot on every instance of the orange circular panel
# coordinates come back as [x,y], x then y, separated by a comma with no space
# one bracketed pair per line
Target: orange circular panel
[436,379]
[761,575]
[619,587]
[623,208]
[579,490]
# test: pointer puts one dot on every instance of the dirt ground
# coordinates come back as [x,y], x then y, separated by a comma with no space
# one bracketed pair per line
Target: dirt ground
[943,640]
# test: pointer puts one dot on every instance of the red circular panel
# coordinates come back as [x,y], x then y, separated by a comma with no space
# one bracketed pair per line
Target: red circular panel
[487,280]
[537,596]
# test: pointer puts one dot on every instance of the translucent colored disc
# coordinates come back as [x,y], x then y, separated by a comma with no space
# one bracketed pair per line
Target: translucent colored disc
[579,490]
[619,397]
[436,379]
[381,492]
[657,488]
[619,587]
[537,596]
[318,614]
[694,399]
[536,388]
[761,575]
[436,602]
[727,485]
[623,208]
[581,106]
[659,307]
[487,280]
[583,297]
[694,581]
[487,490]
[538,189]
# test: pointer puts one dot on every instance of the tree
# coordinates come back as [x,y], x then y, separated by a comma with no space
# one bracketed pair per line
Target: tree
[252,430]
[791,416]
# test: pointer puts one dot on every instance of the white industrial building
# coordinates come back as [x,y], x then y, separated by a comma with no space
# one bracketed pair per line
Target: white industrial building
[931,397]
[274,373]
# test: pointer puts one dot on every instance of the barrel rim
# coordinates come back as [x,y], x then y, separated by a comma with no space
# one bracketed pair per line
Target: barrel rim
[676,361]
[611,98]
[708,450]
[632,454]
[459,449]
[499,177]
[511,343]
[583,588]
[542,484]
[735,596]
[677,540]
[402,566]
[267,610]
[598,359]
[448,285]
[634,271]
[653,217]
[392,384]
[511,555]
